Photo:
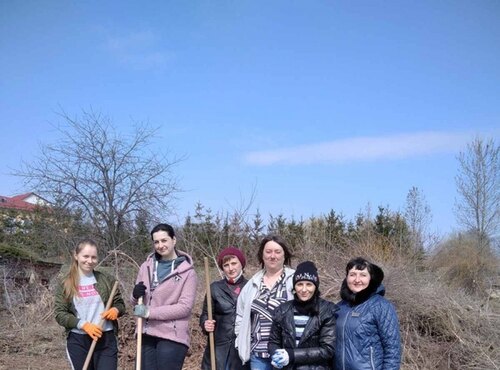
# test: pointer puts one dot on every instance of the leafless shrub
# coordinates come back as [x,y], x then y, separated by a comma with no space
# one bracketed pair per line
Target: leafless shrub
[460,264]
[27,329]
[442,328]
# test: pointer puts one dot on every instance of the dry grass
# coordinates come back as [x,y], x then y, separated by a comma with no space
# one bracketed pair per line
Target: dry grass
[29,336]
[443,328]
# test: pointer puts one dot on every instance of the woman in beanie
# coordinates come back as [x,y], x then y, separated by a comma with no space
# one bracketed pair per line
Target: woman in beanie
[225,292]
[367,324]
[303,331]
[265,291]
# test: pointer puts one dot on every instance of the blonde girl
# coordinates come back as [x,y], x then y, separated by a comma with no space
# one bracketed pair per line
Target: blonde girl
[80,306]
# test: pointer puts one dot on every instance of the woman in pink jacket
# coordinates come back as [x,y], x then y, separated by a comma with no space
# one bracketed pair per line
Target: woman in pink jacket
[167,282]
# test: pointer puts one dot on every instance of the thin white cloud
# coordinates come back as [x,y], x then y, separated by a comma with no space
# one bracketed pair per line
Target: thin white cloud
[132,41]
[139,49]
[361,149]
[145,61]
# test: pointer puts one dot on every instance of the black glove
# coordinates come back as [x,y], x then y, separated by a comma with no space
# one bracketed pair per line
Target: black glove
[139,290]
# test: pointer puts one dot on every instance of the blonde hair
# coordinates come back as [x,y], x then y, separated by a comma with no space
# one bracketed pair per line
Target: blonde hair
[71,281]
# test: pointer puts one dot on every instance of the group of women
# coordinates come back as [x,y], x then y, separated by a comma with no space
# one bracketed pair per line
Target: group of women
[275,320]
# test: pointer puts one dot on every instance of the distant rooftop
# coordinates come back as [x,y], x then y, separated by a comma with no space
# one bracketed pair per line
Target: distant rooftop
[24,202]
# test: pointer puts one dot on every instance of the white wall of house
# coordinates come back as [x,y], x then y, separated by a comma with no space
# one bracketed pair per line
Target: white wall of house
[35,199]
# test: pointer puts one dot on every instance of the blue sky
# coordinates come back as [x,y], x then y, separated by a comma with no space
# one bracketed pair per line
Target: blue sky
[316,105]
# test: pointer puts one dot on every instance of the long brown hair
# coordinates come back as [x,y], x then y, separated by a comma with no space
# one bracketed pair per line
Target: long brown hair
[72,279]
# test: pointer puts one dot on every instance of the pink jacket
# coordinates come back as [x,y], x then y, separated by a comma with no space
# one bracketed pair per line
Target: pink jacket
[171,303]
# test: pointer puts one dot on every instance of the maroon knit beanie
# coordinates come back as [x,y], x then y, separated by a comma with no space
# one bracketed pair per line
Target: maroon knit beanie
[231,251]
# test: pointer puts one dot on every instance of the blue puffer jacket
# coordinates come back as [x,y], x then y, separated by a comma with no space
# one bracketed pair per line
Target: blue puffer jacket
[367,333]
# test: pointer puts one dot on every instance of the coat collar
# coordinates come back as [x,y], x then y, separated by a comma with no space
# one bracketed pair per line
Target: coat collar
[259,274]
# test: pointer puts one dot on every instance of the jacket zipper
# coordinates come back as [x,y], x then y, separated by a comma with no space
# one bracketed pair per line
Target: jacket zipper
[371,358]
[343,339]
[151,298]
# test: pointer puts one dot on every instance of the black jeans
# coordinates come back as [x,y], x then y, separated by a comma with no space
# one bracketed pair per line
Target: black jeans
[158,353]
[105,355]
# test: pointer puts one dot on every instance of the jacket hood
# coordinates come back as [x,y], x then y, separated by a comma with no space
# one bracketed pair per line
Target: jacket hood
[186,265]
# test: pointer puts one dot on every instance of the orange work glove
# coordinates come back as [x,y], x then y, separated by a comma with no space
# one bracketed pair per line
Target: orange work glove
[111,314]
[93,330]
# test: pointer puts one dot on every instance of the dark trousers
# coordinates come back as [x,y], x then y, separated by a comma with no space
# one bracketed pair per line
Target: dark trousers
[158,354]
[105,355]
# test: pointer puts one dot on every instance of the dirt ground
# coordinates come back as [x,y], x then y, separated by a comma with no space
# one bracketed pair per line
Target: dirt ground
[38,347]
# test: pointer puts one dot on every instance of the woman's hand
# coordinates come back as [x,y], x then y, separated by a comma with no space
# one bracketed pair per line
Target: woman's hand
[141,310]
[209,325]
[93,330]
[139,290]
[280,358]
[111,314]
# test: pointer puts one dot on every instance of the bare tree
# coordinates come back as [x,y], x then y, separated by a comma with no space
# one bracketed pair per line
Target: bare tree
[477,208]
[418,217]
[108,176]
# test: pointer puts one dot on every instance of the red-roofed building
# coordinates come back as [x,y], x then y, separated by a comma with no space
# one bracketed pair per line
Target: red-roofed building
[17,212]
[22,202]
